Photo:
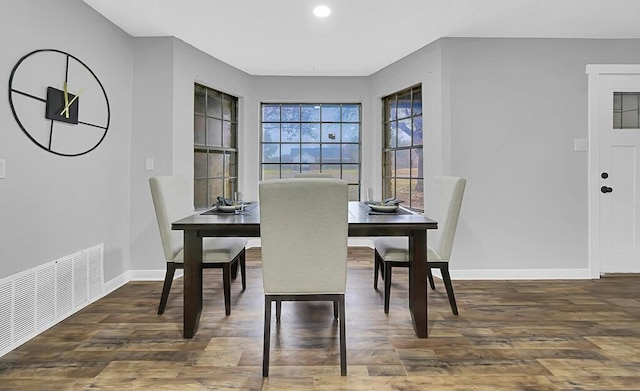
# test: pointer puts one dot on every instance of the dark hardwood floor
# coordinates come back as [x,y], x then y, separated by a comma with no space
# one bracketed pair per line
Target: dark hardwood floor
[510,335]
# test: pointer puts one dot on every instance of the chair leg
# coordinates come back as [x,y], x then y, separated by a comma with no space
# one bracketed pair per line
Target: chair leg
[168,279]
[376,267]
[226,286]
[234,270]
[267,337]
[278,310]
[243,269]
[343,337]
[335,310]
[430,277]
[447,284]
[387,285]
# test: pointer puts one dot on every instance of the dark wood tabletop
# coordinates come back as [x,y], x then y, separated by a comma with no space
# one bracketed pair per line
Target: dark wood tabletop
[361,223]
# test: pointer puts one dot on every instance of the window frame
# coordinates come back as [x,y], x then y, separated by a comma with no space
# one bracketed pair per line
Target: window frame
[392,148]
[316,148]
[219,121]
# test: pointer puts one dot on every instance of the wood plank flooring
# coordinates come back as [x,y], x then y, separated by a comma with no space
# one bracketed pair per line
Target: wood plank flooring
[510,335]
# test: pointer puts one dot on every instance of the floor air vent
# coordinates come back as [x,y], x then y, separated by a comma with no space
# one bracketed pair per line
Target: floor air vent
[38,298]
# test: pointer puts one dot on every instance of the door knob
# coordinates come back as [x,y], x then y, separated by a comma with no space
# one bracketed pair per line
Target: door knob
[606,189]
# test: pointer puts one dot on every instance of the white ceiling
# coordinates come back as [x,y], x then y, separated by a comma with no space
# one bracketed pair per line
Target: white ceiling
[282,37]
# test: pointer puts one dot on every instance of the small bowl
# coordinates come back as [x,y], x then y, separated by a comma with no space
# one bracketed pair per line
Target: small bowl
[226,208]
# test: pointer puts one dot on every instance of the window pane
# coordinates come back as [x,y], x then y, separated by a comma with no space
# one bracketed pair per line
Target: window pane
[330,153]
[290,170]
[403,190]
[270,133]
[200,164]
[350,113]
[417,101]
[333,169]
[351,173]
[290,132]
[416,163]
[417,194]
[617,110]
[271,113]
[390,109]
[227,134]
[230,166]
[198,130]
[310,168]
[404,105]
[271,153]
[391,134]
[630,111]
[199,101]
[404,132]
[200,194]
[403,163]
[350,153]
[389,163]
[330,113]
[226,109]
[354,192]
[270,171]
[310,113]
[214,132]
[311,153]
[216,189]
[310,132]
[290,153]
[214,104]
[417,130]
[330,133]
[216,165]
[290,113]
[350,133]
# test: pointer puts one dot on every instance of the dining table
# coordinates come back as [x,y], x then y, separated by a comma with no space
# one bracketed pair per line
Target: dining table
[363,222]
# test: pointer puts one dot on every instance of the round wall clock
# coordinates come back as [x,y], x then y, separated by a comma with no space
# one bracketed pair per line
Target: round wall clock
[59,102]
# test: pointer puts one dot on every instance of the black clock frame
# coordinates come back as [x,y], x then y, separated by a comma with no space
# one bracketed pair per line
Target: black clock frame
[56,95]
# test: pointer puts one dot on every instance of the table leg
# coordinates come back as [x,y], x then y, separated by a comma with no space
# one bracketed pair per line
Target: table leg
[418,282]
[192,305]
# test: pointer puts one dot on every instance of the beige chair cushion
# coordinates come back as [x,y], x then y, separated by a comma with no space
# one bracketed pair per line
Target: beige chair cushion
[217,250]
[396,249]
[303,230]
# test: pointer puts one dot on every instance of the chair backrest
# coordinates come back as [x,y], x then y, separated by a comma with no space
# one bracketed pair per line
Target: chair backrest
[442,203]
[303,231]
[172,201]
[313,175]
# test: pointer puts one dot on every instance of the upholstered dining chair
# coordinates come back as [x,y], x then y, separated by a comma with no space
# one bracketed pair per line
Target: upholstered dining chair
[303,231]
[442,203]
[172,201]
[313,175]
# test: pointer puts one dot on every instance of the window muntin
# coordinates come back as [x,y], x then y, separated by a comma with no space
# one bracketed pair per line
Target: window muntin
[215,146]
[297,138]
[402,153]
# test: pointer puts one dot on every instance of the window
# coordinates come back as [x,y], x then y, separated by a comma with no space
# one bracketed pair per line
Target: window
[311,138]
[626,110]
[402,172]
[215,151]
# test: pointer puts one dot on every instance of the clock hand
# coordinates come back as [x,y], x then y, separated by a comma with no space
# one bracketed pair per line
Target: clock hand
[65,111]
[66,100]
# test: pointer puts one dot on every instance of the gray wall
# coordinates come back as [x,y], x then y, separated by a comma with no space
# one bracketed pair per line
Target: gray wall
[507,113]
[53,206]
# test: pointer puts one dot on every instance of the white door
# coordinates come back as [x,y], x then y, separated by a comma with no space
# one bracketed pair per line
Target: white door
[614,174]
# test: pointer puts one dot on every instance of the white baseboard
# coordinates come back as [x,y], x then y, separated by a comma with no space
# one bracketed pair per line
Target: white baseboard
[520,274]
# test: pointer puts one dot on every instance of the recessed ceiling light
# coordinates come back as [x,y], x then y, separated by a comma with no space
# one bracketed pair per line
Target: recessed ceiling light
[322,11]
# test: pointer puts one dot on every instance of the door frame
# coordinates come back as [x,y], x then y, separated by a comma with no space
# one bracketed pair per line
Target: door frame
[594,72]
